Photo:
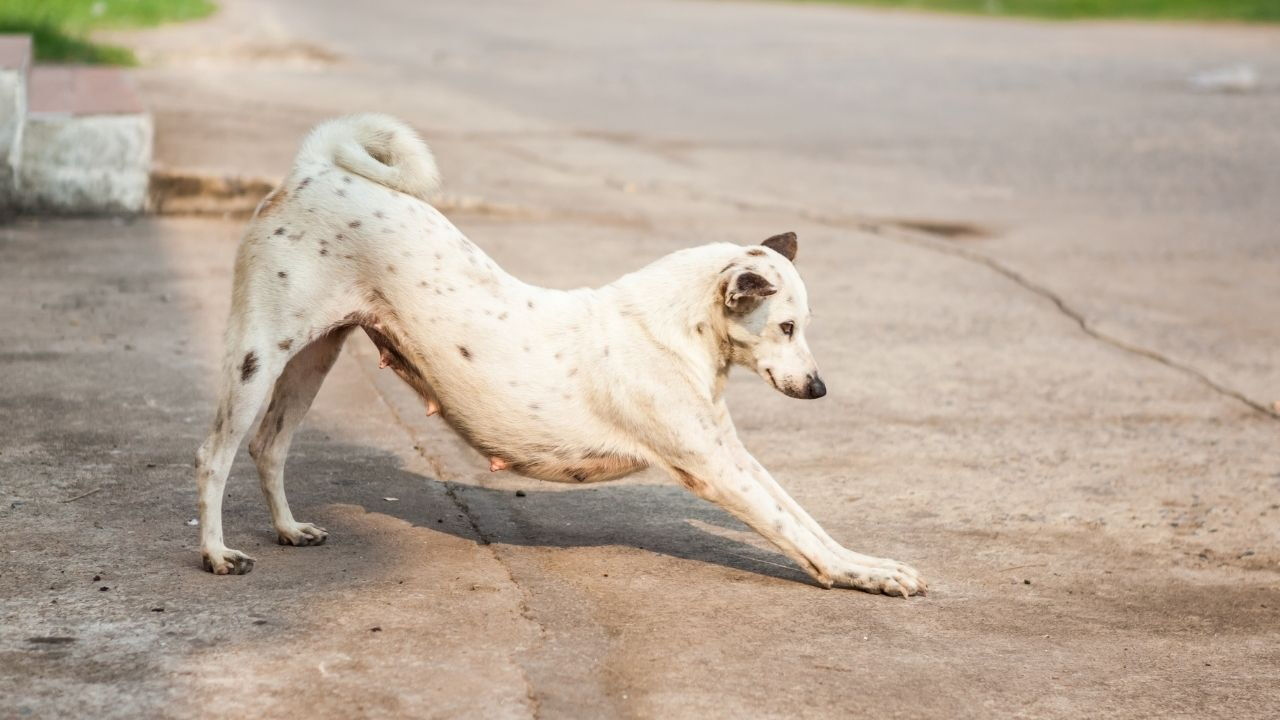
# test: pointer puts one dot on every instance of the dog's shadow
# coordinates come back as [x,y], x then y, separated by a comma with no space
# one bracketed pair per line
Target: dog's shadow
[659,518]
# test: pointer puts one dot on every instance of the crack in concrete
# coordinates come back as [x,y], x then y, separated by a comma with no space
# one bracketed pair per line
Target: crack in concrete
[898,234]
[446,476]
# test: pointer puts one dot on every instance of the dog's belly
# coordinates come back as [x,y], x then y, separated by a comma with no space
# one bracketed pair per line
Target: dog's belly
[579,467]
[531,446]
[552,437]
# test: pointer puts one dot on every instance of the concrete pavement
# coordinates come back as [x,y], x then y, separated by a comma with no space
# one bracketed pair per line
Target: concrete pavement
[1099,527]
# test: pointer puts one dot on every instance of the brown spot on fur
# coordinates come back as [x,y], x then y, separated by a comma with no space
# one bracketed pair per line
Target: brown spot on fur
[530,304]
[700,327]
[757,252]
[279,422]
[279,231]
[285,344]
[342,193]
[353,224]
[391,268]
[379,214]
[282,274]
[324,251]
[249,366]
[217,421]
[465,352]
[305,182]
[346,178]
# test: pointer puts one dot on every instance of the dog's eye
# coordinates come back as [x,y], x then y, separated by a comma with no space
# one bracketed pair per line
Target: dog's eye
[788,327]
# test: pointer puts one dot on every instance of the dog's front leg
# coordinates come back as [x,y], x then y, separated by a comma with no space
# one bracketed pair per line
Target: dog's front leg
[724,473]
[743,498]
[873,574]
[729,437]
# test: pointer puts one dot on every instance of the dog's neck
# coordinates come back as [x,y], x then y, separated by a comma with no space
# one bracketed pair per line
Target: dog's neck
[678,300]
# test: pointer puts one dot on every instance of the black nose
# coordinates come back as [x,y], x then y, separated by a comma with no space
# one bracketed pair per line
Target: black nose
[816,388]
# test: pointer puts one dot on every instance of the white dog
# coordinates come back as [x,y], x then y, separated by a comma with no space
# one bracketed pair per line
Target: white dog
[573,386]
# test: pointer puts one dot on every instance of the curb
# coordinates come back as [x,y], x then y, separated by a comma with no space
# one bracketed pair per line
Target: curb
[192,193]
[15,64]
[175,192]
[74,139]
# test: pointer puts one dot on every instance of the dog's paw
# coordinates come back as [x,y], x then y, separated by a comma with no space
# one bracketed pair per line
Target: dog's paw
[226,562]
[891,578]
[300,534]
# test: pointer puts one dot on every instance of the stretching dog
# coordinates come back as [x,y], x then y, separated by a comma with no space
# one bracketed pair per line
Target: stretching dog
[577,386]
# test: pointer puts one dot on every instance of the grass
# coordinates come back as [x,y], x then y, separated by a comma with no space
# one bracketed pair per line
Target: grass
[60,28]
[1247,10]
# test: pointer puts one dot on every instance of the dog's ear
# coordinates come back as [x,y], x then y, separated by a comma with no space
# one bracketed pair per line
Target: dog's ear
[744,288]
[784,245]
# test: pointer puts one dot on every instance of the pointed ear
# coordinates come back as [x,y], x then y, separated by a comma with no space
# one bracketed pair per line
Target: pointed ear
[784,245]
[743,290]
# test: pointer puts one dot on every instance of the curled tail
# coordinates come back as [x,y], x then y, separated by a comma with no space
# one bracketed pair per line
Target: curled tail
[378,147]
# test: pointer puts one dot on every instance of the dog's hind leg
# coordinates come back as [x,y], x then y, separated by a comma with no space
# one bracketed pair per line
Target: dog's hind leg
[294,391]
[252,362]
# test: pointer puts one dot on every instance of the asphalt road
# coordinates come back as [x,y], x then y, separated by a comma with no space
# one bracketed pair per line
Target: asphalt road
[1044,273]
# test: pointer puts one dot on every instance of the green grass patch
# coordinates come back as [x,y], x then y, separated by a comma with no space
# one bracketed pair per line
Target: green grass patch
[1247,10]
[60,28]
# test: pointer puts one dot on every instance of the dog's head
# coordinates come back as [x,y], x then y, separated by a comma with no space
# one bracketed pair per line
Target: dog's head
[766,310]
